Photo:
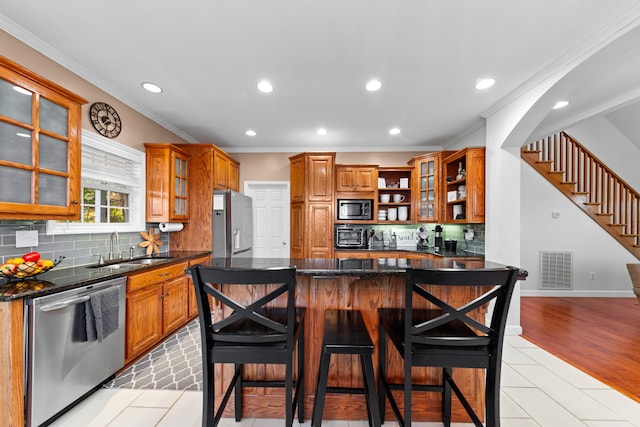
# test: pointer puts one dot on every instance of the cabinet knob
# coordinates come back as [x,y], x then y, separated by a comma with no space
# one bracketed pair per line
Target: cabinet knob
[75,202]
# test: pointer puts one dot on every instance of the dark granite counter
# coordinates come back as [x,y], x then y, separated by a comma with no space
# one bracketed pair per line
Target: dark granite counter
[356,266]
[458,253]
[61,279]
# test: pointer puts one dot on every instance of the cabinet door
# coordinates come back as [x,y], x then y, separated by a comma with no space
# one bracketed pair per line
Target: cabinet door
[319,231]
[234,176]
[39,148]
[345,178]
[179,187]
[297,230]
[427,175]
[144,320]
[175,303]
[220,171]
[320,178]
[297,179]
[366,178]
[191,291]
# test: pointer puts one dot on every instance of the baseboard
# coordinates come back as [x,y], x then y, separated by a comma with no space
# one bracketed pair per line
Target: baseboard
[576,293]
[513,330]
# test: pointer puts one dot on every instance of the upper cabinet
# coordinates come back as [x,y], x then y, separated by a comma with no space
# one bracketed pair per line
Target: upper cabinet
[39,146]
[427,177]
[210,168]
[226,171]
[464,186]
[167,183]
[312,177]
[356,178]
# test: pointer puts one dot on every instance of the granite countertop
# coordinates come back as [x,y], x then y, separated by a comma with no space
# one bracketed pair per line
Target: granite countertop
[61,279]
[458,253]
[356,266]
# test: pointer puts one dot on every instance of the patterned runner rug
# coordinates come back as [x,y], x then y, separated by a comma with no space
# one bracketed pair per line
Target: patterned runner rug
[174,365]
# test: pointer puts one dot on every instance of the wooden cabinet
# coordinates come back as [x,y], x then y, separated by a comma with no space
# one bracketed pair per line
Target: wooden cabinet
[234,175]
[464,186]
[427,181]
[226,171]
[397,193]
[157,304]
[40,146]
[356,178]
[167,183]
[209,167]
[193,303]
[312,200]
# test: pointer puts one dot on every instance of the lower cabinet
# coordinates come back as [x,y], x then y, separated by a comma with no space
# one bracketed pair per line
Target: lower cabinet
[193,303]
[157,304]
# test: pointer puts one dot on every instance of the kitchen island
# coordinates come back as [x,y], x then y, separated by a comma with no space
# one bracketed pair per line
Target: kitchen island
[346,283]
[351,283]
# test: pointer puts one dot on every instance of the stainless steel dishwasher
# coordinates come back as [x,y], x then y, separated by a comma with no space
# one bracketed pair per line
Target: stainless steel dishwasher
[62,364]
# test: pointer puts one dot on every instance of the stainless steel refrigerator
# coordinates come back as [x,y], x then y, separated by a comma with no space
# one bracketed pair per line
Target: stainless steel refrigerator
[232,225]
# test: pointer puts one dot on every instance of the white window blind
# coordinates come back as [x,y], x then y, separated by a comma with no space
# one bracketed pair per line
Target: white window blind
[102,162]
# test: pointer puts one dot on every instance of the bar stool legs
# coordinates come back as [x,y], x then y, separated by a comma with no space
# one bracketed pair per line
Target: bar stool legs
[346,333]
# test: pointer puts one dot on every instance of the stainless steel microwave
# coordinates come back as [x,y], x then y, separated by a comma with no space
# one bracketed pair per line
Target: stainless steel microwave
[352,209]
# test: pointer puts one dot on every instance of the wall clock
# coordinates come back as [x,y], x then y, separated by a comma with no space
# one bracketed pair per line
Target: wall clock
[105,119]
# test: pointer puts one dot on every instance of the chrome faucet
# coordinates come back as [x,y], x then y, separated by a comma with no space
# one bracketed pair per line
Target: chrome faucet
[114,234]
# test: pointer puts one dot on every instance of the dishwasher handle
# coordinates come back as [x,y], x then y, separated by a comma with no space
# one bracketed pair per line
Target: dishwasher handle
[58,305]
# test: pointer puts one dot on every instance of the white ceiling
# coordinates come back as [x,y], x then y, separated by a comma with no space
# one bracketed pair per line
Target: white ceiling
[208,56]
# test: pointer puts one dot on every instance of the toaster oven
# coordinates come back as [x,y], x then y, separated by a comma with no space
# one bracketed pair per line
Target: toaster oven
[348,236]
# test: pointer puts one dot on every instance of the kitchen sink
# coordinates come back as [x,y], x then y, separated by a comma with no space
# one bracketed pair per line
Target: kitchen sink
[133,262]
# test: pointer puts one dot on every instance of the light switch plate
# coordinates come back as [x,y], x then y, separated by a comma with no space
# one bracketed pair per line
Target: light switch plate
[26,238]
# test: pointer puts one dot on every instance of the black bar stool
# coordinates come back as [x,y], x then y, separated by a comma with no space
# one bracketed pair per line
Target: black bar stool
[346,333]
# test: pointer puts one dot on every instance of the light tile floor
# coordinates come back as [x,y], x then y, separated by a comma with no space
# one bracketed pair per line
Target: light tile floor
[538,389]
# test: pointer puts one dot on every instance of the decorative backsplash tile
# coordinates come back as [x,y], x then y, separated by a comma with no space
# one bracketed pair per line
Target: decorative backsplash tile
[78,249]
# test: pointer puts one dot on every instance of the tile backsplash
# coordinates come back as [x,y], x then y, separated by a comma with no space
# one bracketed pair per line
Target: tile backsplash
[78,249]
[450,231]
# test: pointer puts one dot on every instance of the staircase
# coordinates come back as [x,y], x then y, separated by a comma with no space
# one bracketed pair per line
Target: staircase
[590,185]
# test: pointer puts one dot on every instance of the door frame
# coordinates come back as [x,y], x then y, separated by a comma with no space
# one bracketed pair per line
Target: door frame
[250,186]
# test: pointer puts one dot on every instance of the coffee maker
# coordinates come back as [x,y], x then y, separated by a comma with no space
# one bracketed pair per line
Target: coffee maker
[438,245]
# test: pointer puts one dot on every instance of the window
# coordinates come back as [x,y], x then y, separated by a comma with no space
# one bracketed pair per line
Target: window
[112,189]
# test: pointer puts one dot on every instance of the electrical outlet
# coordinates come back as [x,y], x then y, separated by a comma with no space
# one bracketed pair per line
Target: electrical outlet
[593,276]
[26,238]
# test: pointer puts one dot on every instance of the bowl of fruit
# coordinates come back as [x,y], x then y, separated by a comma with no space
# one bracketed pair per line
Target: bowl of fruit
[27,266]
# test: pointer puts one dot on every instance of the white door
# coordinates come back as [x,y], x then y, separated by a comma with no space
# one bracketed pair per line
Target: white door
[270,218]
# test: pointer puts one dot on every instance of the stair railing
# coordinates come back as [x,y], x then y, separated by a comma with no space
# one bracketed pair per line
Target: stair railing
[604,190]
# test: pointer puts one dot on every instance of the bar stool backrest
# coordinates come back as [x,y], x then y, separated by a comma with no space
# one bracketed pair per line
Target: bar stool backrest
[258,321]
[449,325]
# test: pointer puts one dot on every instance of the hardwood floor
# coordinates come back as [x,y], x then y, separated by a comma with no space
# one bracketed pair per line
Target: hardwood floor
[600,336]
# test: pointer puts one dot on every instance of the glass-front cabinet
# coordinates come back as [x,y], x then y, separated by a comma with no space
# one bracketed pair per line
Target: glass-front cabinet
[427,177]
[39,146]
[167,189]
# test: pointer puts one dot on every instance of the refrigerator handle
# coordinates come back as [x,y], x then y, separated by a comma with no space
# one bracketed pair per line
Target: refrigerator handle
[236,238]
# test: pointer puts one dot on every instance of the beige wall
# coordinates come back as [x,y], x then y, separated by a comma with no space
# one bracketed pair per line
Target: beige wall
[275,166]
[136,128]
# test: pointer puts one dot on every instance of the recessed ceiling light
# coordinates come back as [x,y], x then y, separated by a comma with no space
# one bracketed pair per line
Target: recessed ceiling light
[265,87]
[21,90]
[23,135]
[373,85]
[485,83]
[250,132]
[560,104]
[321,131]
[394,131]
[151,87]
